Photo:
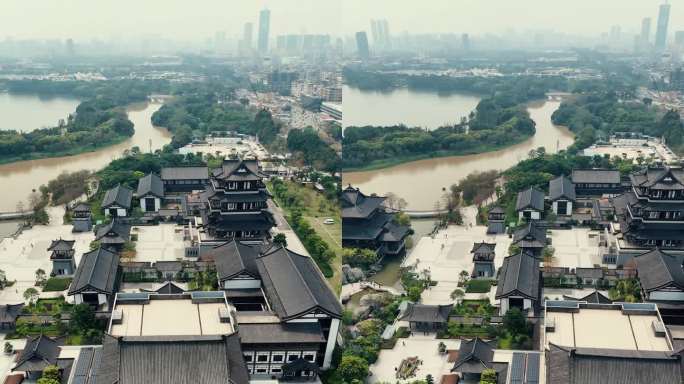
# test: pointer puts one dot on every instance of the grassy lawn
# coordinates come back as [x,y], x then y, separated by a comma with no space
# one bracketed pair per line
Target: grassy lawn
[316,208]
[57,284]
[478,286]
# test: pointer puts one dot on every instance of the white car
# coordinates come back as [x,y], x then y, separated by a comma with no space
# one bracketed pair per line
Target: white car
[328,221]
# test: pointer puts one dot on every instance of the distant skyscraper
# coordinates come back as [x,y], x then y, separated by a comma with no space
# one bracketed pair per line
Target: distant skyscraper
[70,47]
[362,45]
[385,33]
[679,38]
[465,41]
[646,29]
[661,30]
[247,35]
[264,26]
[375,32]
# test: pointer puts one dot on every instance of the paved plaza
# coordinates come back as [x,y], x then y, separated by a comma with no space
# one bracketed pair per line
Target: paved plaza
[575,248]
[424,347]
[159,242]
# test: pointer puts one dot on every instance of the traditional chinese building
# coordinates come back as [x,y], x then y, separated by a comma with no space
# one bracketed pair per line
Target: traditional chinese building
[651,214]
[367,223]
[234,203]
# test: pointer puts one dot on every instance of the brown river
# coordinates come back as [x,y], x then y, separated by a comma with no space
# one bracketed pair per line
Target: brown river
[421,183]
[18,179]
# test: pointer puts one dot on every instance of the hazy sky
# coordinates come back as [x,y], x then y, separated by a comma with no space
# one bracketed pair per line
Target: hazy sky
[482,16]
[180,19]
[199,19]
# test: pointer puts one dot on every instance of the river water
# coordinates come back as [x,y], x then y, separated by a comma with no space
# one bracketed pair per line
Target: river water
[403,106]
[25,113]
[20,178]
[422,183]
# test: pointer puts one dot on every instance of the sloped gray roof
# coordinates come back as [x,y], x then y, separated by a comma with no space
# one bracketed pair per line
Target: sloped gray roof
[519,276]
[294,285]
[82,207]
[395,232]
[185,173]
[87,364]
[172,359]
[474,356]
[659,178]
[595,297]
[233,258]
[119,195]
[357,205]
[530,236]
[657,269]
[531,198]
[561,187]
[39,352]
[61,245]
[427,313]
[120,228]
[596,176]
[611,366]
[277,333]
[10,312]
[483,247]
[97,271]
[151,184]
[238,170]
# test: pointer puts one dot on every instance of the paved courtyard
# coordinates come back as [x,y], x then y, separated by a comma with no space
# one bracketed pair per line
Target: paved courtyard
[447,254]
[577,247]
[424,347]
[159,242]
[21,257]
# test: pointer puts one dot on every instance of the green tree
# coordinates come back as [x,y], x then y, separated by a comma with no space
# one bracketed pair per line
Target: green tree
[488,376]
[280,239]
[31,295]
[353,368]
[457,294]
[82,318]
[40,277]
[51,375]
[514,322]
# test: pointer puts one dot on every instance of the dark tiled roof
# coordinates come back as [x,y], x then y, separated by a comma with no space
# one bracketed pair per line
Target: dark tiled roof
[294,285]
[593,298]
[496,228]
[278,333]
[233,258]
[172,359]
[530,198]
[595,176]
[238,170]
[39,352]
[394,232]
[87,364]
[241,221]
[61,245]
[611,366]
[118,195]
[300,365]
[519,276]
[97,271]
[118,227]
[169,287]
[366,230]
[483,247]
[474,356]
[657,269]
[496,209]
[427,313]
[185,173]
[82,207]
[10,312]
[530,236]
[151,184]
[357,205]
[561,187]
[659,178]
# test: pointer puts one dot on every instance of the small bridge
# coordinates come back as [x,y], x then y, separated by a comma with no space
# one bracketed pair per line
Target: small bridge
[425,214]
[14,215]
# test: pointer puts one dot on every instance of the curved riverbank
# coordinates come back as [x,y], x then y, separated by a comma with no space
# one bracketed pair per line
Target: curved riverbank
[20,178]
[421,183]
